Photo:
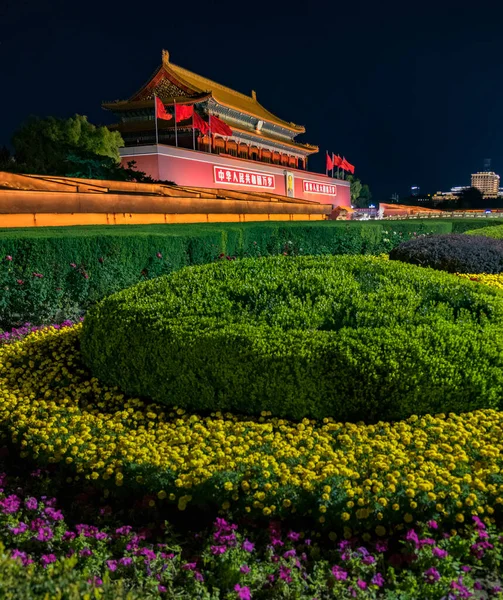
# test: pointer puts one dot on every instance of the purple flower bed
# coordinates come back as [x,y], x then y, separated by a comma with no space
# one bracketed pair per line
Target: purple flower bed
[242,561]
[18,333]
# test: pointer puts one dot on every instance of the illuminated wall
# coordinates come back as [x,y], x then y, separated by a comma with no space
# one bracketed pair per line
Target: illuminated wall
[201,169]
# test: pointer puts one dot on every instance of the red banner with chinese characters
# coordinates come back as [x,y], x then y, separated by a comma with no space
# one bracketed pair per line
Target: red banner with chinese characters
[314,187]
[255,179]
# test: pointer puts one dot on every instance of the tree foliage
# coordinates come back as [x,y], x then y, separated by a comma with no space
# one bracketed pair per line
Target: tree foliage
[71,148]
[471,198]
[43,145]
[360,193]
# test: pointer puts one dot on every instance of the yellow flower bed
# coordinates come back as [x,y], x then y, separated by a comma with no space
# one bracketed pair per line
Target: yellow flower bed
[368,477]
[492,280]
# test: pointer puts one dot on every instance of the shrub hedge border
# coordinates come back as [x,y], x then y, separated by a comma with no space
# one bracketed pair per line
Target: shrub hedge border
[55,273]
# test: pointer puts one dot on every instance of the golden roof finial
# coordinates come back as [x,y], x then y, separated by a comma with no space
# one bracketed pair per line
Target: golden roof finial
[254,94]
[165,57]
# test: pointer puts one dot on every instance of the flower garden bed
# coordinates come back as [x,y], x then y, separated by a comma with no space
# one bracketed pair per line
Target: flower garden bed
[398,497]
[367,477]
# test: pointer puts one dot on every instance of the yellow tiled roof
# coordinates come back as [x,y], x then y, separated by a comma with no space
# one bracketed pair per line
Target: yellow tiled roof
[229,97]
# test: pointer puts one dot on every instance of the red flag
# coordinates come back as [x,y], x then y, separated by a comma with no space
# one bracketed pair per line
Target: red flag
[345,165]
[200,124]
[330,164]
[218,126]
[183,111]
[161,111]
[351,168]
[337,160]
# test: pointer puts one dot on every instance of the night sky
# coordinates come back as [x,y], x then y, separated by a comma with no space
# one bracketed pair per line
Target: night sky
[411,97]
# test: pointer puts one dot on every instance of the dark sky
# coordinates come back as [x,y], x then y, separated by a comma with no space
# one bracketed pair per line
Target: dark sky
[411,96]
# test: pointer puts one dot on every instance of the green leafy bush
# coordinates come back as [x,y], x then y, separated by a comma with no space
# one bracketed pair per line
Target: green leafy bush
[52,274]
[454,253]
[347,337]
[493,232]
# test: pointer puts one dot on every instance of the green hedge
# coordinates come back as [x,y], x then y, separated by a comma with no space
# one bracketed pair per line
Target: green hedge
[347,337]
[493,232]
[464,225]
[108,259]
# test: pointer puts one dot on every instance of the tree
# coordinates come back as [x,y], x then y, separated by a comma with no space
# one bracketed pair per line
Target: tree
[356,188]
[471,198]
[360,194]
[43,146]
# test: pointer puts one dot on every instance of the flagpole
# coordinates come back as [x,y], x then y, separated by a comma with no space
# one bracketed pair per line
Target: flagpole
[326,165]
[155,117]
[176,130]
[193,128]
[209,130]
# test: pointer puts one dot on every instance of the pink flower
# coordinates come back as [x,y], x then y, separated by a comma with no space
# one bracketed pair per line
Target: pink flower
[31,503]
[19,281]
[248,546]
[284,573]
[8,257]
[189,566]
[378,580]
[439,553]
[292,535]
[432,524]
[73,265]
[361,584]
[112,565]
[126,561]
[244,569]
[159,255]
[243,593]
[100,260]
[431,575]
[339,573]
[47,559]
[161,589]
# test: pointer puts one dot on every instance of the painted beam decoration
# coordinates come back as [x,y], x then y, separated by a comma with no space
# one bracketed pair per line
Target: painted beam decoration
[255,179]
[314,187]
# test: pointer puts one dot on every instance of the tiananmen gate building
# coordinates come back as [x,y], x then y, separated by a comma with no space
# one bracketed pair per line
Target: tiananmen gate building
[220,138]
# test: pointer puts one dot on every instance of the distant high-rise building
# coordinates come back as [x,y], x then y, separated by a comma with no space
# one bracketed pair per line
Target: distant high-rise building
[487,182]
[414,190]
[487,164]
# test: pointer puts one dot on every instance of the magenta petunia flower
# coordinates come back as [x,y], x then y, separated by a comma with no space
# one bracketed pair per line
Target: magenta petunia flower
[31,503]
[244,569]
[248,546]
[243,592]
[112,565]
[431,575]
[47,559]
[439,553]
[378,580]
[339,573]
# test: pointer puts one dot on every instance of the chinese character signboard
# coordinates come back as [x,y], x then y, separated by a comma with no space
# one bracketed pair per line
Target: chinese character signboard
[290,187]
[256,179]
[314,187]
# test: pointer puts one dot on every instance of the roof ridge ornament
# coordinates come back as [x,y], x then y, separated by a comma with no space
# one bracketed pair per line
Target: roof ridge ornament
[254,94]
[165,57]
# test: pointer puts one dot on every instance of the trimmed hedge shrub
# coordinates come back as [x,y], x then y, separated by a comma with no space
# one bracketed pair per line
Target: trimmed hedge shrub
[493,232]
[465,225]
[52,274]
[454,253]
[347,337]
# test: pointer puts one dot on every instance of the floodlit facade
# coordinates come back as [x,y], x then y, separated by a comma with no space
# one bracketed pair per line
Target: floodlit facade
[487,183]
